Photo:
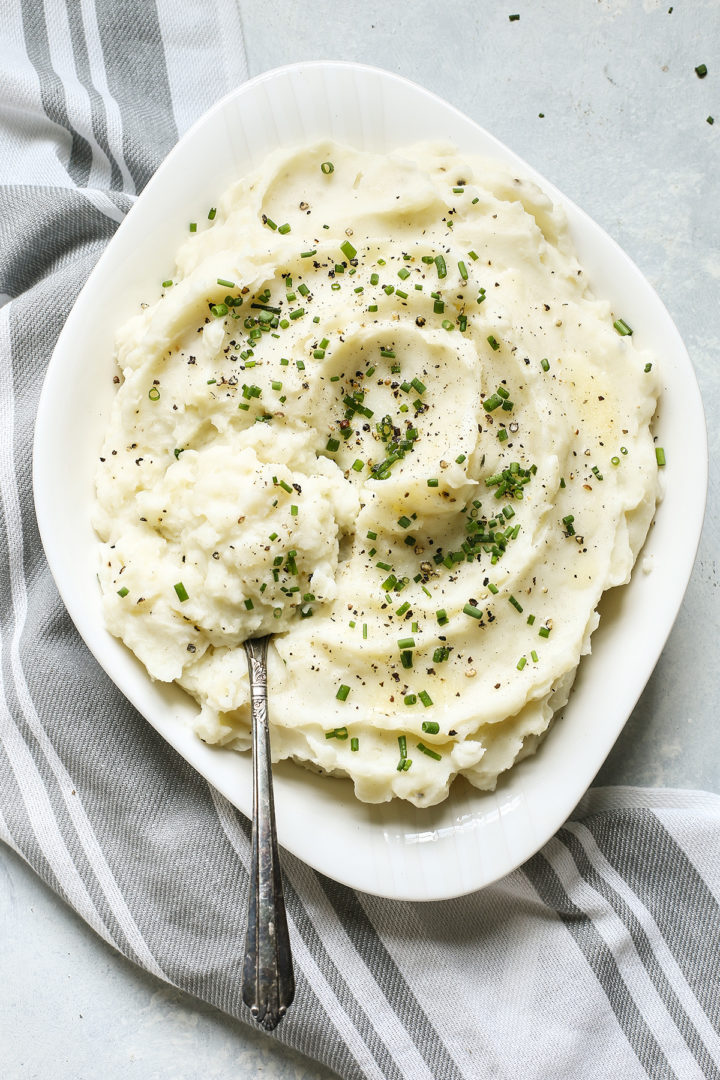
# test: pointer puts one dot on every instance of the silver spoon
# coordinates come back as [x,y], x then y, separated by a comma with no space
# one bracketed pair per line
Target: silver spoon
[268,982]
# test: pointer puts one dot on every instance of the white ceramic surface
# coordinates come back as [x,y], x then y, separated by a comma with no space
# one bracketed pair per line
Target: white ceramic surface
[391,850]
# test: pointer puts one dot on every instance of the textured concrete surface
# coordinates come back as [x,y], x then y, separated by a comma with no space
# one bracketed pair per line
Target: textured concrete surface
[624,134]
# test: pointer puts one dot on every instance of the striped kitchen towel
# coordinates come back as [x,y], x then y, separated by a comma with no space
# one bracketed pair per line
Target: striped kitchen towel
[599,958]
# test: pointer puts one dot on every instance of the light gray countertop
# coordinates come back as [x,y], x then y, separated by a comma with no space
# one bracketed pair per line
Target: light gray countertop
[624,134]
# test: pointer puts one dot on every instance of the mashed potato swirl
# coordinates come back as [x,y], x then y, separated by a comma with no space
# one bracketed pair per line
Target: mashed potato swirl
[380,415]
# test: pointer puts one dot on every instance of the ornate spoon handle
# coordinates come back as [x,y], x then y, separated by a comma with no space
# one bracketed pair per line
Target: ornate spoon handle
[268,984]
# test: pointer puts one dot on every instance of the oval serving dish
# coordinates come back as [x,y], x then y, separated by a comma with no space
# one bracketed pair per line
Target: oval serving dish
[392,850]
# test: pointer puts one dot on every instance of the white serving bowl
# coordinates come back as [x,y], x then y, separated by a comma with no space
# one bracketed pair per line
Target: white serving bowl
[393,850]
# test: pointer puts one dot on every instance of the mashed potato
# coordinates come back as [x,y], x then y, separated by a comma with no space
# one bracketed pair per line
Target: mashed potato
[379,415]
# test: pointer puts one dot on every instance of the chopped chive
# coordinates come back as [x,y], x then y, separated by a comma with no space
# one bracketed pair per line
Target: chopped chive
[293,510]
[225,283]
[249,604]
[441,267]
[493,588]
[327,167]
[441,616]
[472,611]
[337,733]
[491,403]
[123,591]
[515,604]
[410,699]
[154,393]
[297,313]
[493,343]
[447,325]
[432,482]
[166,284]
[371,535]
[430,727]
[406,659]
[544,631]
[534,657]
[343,692]
[308,254]
[701,71]
[193,226]
[211,213]
[521,663]
[430,753]
[463,271]
[459,459]
[659,455]
[284,229]
[219,310]
[354,744]
[502,434]
[545,365]
[348,250]
[402,746]
[622,327]
[404,273]
[332,445]
[425,698]
[406,643]
[404,522]
[181,591]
